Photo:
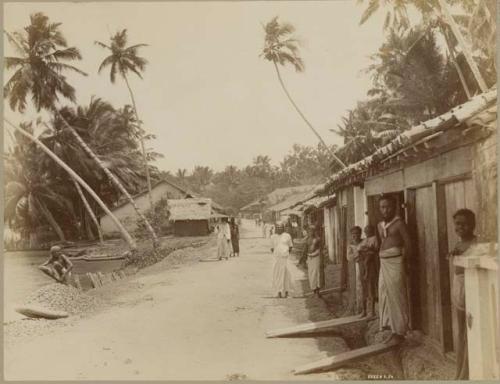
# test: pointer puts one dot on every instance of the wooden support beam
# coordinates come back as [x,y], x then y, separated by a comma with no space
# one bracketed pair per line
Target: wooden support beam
[77,281]
[323,291]
[315,327]
[342,359]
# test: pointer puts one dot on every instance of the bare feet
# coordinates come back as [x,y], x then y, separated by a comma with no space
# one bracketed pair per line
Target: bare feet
[394,337]
[362,314]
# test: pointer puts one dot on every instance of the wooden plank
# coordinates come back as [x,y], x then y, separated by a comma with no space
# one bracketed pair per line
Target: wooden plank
[444,270]
[342,359]
[101,278]
[77,282]
[316,326]
[323,291]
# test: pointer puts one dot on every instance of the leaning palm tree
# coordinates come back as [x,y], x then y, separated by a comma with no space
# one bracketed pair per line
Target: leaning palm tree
[280,48]
[123,60]
[39,72]
[130,241]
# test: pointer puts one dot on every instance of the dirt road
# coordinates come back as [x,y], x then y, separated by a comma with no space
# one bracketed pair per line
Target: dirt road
[203,321]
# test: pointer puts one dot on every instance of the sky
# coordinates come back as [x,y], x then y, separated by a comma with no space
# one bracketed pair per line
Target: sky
[206,94]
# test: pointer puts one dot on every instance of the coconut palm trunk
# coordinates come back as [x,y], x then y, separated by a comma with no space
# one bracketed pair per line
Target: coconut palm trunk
[110,175]
[89,210]
[50,218]
[455,63]
[461,41]
[304,118]
[130,241]
[143,149]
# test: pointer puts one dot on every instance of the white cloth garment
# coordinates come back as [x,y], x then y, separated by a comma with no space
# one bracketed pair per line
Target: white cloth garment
[392,292]
[313,264]
[223,236]
[282,279]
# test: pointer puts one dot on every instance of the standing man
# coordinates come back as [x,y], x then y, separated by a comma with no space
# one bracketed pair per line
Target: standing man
[281,245]
[235,237]
[395,253]
[313,249]
[465,224]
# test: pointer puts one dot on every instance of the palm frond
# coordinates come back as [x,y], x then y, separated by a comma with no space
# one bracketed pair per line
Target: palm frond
[373,6]
[11,62]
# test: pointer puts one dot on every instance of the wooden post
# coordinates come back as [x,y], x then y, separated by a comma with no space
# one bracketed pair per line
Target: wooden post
[481,296]
[444,269]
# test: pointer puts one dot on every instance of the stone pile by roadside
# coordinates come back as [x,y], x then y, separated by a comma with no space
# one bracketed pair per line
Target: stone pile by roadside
[60,297]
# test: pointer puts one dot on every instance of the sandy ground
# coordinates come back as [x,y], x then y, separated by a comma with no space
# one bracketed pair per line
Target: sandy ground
[200,321]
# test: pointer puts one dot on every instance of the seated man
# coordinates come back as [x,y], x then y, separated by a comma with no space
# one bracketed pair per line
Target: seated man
[58,266]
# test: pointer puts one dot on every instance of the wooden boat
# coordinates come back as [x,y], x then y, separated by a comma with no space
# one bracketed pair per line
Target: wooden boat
[94,264]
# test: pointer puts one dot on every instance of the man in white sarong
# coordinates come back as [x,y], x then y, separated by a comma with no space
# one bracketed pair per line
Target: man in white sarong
[395,252]
[223,240]
[281,244]
[313,249]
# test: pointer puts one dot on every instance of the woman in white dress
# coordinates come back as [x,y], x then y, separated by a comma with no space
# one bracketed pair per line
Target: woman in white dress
[223,240]
[281,244]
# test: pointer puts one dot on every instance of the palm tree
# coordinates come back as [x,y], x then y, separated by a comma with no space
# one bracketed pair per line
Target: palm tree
[397,16]
[39,72]
[121,60]
[280,48]
[31,194]
[75,176]
[76,158]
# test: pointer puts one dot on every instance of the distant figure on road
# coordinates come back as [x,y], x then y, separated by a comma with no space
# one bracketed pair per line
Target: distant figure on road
[235,237]
[281,245]
[395,253]
[465,224]
[223,239]
[265,228]
[58,266]
[313,248]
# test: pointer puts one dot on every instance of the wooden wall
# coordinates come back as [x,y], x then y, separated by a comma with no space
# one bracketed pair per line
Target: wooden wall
[191,228]
[462,178]
[486,183]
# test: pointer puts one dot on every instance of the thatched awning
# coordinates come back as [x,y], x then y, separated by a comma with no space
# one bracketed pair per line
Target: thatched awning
[357,172]
[190,209]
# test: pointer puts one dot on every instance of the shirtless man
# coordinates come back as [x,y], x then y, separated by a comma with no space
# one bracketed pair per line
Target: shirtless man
[58,266]
[395,252]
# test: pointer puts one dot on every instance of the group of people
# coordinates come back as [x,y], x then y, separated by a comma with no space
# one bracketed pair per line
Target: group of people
[228,239]
[383,256]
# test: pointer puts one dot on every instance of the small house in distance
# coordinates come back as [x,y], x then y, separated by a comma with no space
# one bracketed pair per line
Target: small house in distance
[190,217]
[164,189]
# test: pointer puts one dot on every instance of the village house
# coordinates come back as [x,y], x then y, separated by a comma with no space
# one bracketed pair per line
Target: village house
[282,199]
[432,170]
[250,211]
[191,217]
[124,211]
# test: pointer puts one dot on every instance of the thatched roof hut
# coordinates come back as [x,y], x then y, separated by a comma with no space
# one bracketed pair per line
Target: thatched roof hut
[190,209]
[190,216]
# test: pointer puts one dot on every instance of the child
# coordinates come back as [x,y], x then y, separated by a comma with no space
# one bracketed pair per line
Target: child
[368,252]
[353,257]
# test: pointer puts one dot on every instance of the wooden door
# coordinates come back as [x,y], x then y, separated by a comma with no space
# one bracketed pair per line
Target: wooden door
[427,263]
[458,195]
